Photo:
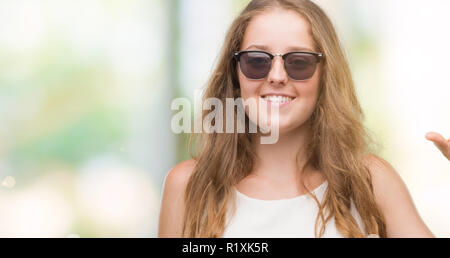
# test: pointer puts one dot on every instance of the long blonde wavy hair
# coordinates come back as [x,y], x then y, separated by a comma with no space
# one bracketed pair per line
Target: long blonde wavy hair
[337,147]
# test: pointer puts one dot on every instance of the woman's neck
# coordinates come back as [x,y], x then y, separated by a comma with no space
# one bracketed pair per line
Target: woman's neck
[279,161]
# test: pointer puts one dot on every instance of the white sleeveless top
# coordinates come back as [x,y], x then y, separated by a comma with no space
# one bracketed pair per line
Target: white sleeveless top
[289,218]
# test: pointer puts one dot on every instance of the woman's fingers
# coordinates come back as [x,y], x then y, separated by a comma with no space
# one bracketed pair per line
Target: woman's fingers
[436,138]
[440,142]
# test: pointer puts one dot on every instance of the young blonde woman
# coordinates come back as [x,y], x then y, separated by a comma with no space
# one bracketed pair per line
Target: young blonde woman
[319,179]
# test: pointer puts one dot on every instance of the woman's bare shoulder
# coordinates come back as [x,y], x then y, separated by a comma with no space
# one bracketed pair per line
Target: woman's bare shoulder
[395,201]
[384,176]
[180,173]
[378,166]
[182,170]
[178,176]
[172,201]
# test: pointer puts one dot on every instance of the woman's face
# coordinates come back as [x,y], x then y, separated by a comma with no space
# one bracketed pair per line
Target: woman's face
[278,32]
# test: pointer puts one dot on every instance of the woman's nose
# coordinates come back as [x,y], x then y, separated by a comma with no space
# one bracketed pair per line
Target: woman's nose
[277,74]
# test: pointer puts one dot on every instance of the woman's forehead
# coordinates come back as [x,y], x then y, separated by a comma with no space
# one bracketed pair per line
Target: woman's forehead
[278,30]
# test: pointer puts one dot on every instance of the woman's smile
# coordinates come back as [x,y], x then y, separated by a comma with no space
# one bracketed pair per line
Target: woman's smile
[278,100]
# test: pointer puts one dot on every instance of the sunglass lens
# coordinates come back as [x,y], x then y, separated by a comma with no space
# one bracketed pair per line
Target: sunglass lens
[255,65]
[300,66]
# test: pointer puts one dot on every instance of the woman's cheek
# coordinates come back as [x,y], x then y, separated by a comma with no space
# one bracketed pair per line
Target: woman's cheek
[249,102]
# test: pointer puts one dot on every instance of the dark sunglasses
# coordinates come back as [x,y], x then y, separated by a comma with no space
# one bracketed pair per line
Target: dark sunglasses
[256,65]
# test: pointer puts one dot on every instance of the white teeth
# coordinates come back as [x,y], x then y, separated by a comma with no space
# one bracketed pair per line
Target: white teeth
[277,99]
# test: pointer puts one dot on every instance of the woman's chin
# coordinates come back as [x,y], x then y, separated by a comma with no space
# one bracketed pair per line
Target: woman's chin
[282,125]
[281,128]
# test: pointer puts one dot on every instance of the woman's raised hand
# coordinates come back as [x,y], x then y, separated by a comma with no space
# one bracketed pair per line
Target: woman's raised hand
[440,142]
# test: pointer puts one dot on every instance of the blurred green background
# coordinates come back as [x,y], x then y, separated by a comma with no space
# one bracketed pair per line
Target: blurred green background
[86,88]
